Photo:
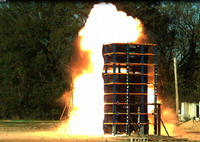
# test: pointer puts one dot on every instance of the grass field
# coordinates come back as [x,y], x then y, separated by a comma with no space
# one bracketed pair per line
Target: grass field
[39,131]
[46,131]
[24,125]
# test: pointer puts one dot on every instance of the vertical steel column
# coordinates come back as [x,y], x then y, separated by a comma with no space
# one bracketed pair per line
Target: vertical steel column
[106,77]
[155,93]
[127,91]
[159,117]
[106,60]
[119,69]
[114,93]
[142,90]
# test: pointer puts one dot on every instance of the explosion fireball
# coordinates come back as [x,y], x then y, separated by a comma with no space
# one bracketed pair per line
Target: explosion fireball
[104,25]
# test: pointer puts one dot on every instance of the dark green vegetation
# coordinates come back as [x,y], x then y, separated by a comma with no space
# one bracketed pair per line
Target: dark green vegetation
[35,48]
[37,42]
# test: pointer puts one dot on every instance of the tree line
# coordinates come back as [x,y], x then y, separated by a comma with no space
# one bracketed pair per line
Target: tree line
[37,42]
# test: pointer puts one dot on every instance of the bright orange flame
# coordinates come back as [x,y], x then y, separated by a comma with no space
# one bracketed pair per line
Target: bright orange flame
[170,120]
[150,98]
[104,25]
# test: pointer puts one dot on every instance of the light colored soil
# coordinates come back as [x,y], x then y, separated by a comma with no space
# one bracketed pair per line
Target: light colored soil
[191,126]
[190,130]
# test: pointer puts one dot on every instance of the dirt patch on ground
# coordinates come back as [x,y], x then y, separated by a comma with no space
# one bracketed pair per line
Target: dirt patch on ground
[191,126]
[190,130]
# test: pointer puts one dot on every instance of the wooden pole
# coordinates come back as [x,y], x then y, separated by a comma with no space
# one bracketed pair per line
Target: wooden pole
[176,87]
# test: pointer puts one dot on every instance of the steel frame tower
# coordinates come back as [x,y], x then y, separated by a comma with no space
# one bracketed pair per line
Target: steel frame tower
[126,87]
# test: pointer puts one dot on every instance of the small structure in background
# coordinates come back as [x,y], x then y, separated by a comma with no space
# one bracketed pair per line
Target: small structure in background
[190,111]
